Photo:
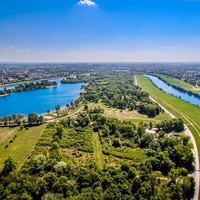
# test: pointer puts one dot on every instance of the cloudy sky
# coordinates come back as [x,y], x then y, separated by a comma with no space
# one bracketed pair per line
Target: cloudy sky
[99,30]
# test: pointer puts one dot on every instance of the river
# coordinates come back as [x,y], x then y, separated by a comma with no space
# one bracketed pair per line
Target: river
[173,91]
[38,100]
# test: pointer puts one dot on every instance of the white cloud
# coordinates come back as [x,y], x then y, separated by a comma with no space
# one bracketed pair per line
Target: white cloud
[26,51]
[65,53]
[87,3]
[152,51]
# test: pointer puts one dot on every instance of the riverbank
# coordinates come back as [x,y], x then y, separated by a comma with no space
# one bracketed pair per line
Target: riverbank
[177,92]
[179,84]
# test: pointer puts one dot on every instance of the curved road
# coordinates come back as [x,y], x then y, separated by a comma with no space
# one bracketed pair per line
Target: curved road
[196,174]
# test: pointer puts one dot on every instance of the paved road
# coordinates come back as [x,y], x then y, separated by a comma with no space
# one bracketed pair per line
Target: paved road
[196,173]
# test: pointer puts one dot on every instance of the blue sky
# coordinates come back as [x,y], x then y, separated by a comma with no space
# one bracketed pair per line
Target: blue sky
[99,30]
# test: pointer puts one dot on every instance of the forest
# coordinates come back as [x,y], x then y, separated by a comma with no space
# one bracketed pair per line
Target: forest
[136,165]
[93,156]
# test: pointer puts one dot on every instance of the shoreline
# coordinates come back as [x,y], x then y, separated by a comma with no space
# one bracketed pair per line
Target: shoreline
[4,95]
[53,111]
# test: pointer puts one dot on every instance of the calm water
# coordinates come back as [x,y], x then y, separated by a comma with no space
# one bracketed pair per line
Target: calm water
[171,90]
[39,100]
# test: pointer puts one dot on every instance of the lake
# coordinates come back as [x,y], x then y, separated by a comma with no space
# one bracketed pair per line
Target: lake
[173,91]
[39,100]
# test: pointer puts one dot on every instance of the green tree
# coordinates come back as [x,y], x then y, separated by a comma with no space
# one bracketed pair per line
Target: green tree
[9,165]
[33,118]
[55,146]
[116,142]
[57,108]
[188,187]
[59,131]
[48,110]
[41,119]
[150,125]
[85,107]
[105,131]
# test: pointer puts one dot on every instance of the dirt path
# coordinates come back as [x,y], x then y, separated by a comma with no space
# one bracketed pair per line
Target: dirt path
[58,119]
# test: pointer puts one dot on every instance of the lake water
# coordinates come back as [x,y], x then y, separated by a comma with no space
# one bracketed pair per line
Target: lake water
[175,92]
[39,100]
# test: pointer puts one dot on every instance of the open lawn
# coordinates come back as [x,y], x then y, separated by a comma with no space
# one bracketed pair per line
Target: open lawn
[181,109]
[179,83]
[133,116]
[20,144]
[97,154]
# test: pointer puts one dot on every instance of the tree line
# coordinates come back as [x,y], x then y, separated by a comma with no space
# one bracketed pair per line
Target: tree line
[19,119]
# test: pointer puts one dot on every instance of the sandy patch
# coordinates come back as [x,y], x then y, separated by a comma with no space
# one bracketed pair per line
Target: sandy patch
[5,135]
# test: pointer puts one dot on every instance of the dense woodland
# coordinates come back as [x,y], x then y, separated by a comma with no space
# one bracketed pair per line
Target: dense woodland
[131,163]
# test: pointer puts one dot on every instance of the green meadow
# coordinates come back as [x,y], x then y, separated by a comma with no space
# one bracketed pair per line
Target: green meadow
[19,144]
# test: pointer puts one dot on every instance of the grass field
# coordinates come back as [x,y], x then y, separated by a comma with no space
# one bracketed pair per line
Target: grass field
[133,116]
[179,83]
[97,154]
[20,144]
[181,109]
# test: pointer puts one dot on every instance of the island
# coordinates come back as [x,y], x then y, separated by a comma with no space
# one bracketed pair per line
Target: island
[29,86]
[4,93]
[36,85]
